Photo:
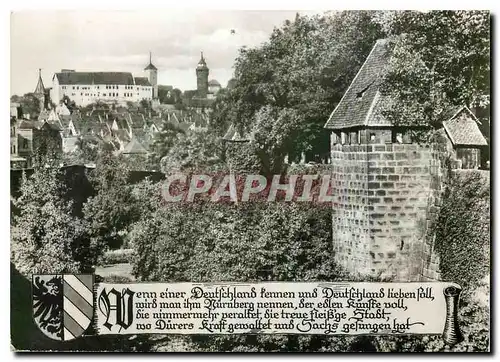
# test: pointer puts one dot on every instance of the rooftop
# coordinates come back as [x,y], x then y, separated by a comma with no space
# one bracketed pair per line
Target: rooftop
[144,81]
[462,128]
[361,103]
[112,78]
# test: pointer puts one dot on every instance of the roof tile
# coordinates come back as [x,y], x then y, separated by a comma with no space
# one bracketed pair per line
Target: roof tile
[357,106]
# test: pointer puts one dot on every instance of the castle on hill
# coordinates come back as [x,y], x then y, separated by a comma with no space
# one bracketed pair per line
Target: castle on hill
[85,88]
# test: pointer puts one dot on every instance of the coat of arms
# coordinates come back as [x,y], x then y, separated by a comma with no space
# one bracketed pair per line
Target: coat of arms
[63,304]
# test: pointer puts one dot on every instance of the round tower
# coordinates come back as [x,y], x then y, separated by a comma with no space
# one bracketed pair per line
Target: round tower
[152,74]
[202,78]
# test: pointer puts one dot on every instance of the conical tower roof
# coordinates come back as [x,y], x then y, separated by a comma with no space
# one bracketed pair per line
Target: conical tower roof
[40,89]
[150,66]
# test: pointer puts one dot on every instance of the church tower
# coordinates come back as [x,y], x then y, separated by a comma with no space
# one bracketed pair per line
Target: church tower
[152,74]
[40,91]
[202,78]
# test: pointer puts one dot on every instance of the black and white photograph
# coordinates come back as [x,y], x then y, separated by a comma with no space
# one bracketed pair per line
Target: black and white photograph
[205,180]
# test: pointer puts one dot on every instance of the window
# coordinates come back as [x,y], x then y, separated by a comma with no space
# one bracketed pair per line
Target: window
[25,143]
[354,137]
[372,137]
[104,94]
[343,138]
[401,136]
[73,87]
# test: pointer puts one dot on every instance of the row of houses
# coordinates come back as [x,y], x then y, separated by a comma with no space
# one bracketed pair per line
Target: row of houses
[128,132]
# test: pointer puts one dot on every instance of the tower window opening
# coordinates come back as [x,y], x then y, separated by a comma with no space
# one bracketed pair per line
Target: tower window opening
[354,138]
[343,138]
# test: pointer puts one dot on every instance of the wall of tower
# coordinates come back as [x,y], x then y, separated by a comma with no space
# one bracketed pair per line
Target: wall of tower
[202,82]
[387,198]
[153,79]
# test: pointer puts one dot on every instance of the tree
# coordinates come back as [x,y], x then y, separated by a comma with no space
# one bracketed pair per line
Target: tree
[47,146]
[303,69]
[163,141]
[111,210]
[71,105]
[439,59]
[46,237]
[145,105]
[196,150]
[30,105]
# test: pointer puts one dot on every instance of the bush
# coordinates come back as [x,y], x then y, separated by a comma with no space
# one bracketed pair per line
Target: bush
[247,242]
[46,238]
[119,256]
[463,232]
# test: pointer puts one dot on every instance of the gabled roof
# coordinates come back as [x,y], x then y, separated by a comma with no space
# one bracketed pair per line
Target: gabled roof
[121,123]
[136,120]
[233,135]
[184,126]
[28,124]
[361,103]
[113,78]
[121,135]
[51,126]
[462,128]
[44,114]
[134,147]
[143,81]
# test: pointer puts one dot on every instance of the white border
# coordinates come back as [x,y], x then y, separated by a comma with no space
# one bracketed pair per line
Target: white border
[186,4]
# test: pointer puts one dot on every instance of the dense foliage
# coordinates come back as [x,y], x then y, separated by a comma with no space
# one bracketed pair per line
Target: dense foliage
[46,237]
[110,210]
[281,96]
[463,229]
[285,90]
[30,105]
[440,59]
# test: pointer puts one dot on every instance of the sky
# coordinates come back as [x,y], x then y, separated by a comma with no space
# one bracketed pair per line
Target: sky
[121,41]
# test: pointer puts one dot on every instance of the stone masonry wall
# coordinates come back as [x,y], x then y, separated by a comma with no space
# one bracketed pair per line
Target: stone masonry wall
[388,198]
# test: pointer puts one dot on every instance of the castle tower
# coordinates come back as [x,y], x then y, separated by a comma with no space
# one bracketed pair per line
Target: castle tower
[385,185]
[202,78]
[152,74]
[40,91]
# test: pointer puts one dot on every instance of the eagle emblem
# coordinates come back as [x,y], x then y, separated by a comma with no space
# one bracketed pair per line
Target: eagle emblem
[63,304]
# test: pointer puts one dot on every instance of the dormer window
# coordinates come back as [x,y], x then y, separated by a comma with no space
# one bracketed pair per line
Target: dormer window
[360,94]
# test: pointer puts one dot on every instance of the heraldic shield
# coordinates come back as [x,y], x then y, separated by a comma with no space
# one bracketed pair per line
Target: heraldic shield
[63,304]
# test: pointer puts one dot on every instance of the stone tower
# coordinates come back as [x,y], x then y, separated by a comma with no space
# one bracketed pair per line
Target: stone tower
[40,91]
[386,186]
[202,78]
[152,74]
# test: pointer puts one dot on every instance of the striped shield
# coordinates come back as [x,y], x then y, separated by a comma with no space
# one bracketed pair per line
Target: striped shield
[63,304]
